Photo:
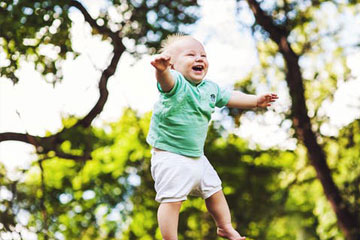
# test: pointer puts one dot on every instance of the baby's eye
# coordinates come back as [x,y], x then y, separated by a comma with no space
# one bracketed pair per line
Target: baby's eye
[203,56]
[190,54]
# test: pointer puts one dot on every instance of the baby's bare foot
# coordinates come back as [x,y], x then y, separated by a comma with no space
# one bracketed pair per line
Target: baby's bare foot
[227,231]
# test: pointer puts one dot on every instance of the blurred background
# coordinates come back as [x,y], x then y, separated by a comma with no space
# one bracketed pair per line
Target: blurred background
[77,90]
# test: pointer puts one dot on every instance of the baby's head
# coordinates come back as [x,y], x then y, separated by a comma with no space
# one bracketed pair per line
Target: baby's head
[188,56]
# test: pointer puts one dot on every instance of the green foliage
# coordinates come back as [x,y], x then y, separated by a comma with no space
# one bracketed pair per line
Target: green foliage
[152,21]
[319,43]
[272,194]
[27,27]
[7,214]
[82,200]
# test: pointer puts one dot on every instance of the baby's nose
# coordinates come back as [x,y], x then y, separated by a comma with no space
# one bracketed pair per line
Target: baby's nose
[199,58]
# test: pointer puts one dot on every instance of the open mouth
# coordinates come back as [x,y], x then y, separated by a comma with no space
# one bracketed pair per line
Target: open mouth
[198,68]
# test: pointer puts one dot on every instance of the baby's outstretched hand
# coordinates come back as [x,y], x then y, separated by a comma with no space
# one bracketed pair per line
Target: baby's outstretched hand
[161,62]
[265,100]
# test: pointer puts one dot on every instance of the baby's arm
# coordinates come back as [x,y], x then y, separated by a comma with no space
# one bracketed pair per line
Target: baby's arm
[246,101]
[163,76]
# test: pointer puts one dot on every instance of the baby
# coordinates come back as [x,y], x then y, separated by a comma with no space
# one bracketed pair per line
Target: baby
[178,130]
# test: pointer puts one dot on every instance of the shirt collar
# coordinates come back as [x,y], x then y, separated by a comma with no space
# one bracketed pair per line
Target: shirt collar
[196,85]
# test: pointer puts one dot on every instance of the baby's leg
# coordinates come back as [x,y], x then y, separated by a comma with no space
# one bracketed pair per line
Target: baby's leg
[219,209]
[168,218]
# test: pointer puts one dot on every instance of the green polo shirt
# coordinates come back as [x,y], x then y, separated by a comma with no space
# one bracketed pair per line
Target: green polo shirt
[181,117]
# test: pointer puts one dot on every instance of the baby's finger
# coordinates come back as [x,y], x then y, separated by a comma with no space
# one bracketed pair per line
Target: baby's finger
[166,58]
[274,95]
[162,58]
[153,63]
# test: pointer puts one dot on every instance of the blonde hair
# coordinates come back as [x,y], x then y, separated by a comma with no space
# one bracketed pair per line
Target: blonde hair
[170,40]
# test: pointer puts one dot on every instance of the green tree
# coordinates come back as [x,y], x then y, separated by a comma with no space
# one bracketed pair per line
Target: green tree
[292,37]
[62,196]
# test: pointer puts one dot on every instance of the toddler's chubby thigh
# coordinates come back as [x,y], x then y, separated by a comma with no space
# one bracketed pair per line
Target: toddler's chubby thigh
[174,175]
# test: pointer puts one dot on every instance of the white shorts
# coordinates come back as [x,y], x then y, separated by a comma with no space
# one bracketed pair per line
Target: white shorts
[178,176]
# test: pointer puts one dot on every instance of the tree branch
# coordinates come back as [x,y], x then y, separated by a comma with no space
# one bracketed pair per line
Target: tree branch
[107,73]
[101,29]
[119,48]
[11,136]
[267,22]
[51,143]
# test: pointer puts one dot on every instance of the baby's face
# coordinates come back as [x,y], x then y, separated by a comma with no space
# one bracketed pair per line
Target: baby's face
[189,58]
